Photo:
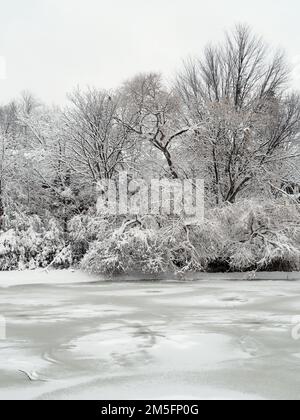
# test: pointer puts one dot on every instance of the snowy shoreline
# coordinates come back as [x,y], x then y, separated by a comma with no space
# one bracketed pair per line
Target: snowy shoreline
[31,277]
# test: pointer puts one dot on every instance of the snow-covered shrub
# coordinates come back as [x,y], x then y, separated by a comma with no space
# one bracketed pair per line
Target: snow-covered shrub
[29,244]
[190,248]
[249,235]
[8,245]
[260,235]
[83,230]
[133,247]
[132,250]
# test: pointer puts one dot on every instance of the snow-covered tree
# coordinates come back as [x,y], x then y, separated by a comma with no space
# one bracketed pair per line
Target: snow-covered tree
[246,121]
[153,115]
[229,119]
[97,142]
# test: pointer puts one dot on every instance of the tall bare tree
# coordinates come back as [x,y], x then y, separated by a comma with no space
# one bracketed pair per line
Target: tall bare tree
[98,143]
[246,121]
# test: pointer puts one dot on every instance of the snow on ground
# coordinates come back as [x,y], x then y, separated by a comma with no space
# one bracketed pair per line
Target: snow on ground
[23,278]
[69,336]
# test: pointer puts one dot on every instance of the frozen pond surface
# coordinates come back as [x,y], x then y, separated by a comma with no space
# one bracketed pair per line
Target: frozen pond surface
[211,339]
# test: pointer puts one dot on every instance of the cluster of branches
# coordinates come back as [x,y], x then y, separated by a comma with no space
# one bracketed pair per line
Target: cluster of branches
[229,117]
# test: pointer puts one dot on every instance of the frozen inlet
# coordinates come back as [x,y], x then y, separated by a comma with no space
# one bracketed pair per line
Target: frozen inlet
[2,328]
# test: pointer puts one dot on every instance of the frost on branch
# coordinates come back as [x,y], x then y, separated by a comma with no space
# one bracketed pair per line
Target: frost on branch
[261,235]
[245,236]
[229,119]
[172,248]
[28,244]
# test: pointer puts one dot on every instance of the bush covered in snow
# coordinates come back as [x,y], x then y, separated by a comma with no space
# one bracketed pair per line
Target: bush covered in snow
[84,229]
[261,235]
[27,243]
[246,236]
[134,248]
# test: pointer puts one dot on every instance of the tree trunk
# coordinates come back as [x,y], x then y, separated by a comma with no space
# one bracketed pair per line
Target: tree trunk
[235,190]
[170,163]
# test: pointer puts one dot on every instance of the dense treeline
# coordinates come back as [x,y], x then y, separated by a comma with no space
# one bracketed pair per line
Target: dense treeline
[230,118]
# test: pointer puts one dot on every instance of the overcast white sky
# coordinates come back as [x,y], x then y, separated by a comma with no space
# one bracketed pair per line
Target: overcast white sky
[50,46]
